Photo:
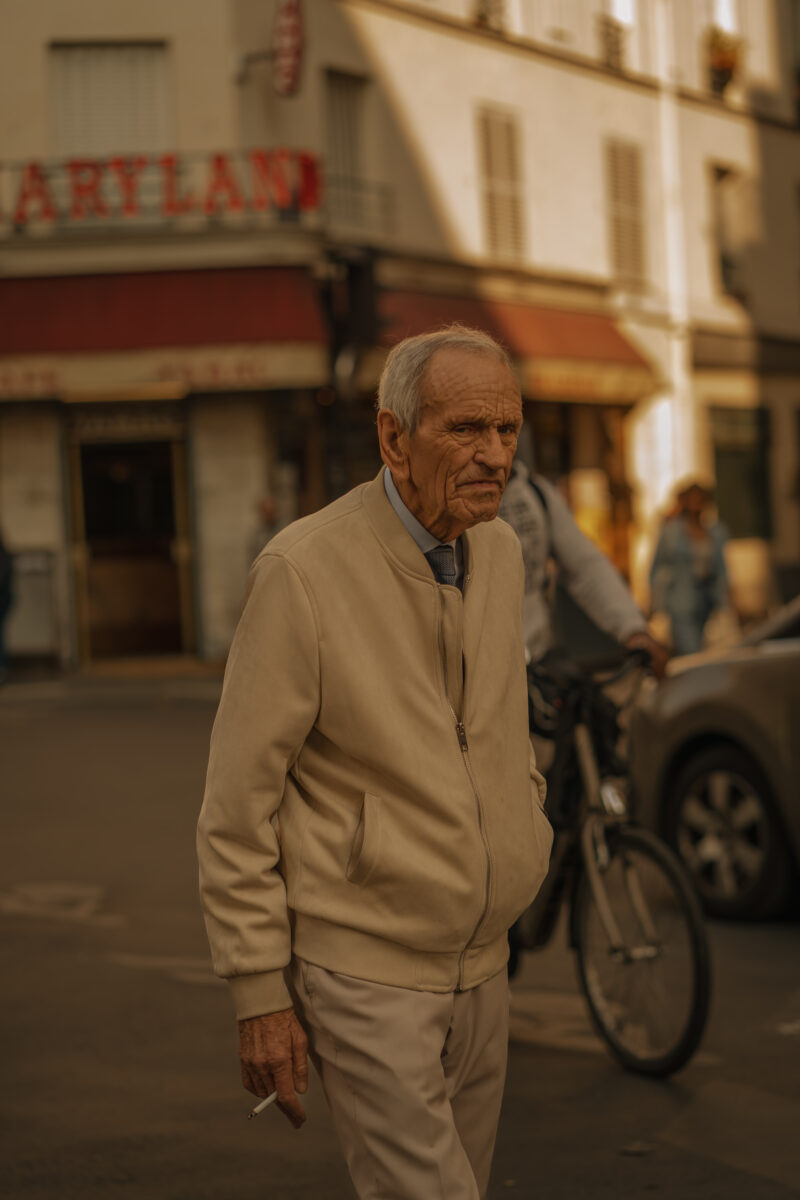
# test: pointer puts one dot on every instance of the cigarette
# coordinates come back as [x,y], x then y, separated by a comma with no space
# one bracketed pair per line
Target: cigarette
[259,1108]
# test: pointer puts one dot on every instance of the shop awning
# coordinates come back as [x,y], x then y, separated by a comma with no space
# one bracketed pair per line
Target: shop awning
[136,332]
[561,354]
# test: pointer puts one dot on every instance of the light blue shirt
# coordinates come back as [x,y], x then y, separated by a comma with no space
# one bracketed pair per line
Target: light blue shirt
[425,540]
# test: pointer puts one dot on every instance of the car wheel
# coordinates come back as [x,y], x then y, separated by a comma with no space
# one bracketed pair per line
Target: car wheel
[721,820]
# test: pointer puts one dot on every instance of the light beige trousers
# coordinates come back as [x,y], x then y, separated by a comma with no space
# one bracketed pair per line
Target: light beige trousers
[414,1080]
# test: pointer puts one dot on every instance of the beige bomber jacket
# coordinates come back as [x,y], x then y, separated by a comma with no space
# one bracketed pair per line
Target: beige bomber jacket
[371,802]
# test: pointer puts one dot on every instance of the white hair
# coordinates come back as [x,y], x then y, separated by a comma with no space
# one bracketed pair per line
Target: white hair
[400,387]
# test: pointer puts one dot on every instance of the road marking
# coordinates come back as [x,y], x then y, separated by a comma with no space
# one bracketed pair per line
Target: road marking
[76,902]
[195,971]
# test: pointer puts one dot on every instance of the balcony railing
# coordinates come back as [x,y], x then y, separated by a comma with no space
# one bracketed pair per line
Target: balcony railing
[358,210]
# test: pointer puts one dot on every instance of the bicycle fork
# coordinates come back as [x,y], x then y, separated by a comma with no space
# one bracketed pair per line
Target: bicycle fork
[597,857]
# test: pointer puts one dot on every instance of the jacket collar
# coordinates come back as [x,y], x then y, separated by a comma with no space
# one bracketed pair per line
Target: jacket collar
[398,541]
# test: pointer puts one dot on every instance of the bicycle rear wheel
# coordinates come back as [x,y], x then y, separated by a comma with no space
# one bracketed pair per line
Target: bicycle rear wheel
[650,1000]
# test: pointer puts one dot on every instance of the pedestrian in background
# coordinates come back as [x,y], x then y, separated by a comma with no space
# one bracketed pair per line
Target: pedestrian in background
[373,820]
[688,576]
[6,598]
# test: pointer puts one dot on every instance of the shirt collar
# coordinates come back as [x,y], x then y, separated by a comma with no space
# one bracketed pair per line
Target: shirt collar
[424,539]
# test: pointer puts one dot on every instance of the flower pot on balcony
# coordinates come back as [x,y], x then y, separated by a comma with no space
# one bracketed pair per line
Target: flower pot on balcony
[719,78]
[723,51]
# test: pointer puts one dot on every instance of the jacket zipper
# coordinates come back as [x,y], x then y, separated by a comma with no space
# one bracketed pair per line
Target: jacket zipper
[461,734]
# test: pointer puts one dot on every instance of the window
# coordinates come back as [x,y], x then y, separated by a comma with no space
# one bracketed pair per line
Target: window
[614,28]
[344,140]
[725,15]
[728,215]
[740,439]
[625,201]
[624,11]
[501,182]
[110,98]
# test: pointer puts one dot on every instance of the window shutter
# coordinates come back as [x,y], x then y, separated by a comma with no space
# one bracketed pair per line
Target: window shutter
[625,204]
[110,99]
[501,176]
[344,116]
[734,203]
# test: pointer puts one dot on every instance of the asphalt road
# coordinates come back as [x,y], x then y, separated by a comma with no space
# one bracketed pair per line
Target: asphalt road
[118,1046]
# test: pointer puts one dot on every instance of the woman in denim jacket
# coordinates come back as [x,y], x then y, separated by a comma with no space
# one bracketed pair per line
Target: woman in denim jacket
[688,577]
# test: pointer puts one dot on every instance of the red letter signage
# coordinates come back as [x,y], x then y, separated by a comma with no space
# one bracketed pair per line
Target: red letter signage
[173,204]
[287,47]
[222,185]
[309,185]
[85,181]
[108,192]
[33,189]
[127,172]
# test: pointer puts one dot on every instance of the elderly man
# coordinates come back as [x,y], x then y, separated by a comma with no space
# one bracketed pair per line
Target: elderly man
[373,820]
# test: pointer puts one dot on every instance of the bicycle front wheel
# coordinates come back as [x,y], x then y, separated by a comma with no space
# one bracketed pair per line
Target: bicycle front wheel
[648,998]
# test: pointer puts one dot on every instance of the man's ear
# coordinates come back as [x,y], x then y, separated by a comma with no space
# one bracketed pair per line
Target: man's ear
[393,441]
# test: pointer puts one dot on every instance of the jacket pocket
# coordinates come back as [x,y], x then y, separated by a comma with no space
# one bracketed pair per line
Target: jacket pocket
[365,850]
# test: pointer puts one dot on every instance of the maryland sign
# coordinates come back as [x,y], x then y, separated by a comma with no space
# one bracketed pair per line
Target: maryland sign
[142,190]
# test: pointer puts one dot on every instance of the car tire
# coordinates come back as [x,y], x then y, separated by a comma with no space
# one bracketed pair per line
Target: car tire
[721,820]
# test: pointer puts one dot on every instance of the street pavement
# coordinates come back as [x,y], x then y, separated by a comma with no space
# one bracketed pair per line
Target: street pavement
[119,1046]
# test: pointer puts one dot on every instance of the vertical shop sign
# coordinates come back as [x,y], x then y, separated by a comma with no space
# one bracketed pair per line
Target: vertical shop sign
[287,47]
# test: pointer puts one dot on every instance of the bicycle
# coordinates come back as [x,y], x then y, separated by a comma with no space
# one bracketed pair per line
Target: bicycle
[635,923]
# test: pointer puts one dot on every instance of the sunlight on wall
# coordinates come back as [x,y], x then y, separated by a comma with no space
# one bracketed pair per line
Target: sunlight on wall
[652,437]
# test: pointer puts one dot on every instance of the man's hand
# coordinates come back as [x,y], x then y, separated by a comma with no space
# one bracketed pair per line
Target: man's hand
[659,654]
[273,1056]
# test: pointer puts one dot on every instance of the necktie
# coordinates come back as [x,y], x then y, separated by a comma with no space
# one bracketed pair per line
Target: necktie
[443,563]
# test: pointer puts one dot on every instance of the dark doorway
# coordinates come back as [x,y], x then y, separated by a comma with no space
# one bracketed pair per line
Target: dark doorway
[133,589]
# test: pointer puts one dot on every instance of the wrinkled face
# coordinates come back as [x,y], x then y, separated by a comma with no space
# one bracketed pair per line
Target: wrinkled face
[452,470]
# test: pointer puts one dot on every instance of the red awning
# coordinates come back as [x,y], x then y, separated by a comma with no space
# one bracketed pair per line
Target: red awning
[562,354]
[143,310]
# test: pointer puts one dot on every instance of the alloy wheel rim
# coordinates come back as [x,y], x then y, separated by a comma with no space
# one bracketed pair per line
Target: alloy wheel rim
[722,834]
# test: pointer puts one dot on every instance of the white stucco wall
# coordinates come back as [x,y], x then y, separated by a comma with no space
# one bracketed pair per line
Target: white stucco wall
[228,456]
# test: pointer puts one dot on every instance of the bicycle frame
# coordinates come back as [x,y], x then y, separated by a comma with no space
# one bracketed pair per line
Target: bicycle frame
[595,858]
[620,880]
[580,842]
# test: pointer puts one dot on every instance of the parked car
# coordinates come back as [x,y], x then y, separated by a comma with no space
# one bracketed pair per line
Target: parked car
[715,767]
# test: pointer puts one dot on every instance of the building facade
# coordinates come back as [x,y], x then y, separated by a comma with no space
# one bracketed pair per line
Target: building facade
[216,215]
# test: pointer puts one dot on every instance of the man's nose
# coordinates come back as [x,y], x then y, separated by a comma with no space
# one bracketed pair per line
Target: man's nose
[492,451]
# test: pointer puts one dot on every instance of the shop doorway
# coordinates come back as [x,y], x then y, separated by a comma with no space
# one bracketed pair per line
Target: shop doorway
[133,579]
